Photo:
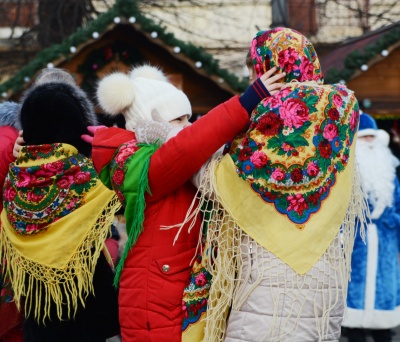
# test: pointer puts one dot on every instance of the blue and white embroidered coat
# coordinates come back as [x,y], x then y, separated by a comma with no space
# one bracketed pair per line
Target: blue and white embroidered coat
[374,290]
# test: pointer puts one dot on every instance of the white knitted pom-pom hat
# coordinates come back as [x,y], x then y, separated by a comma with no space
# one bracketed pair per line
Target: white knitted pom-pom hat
[144,94]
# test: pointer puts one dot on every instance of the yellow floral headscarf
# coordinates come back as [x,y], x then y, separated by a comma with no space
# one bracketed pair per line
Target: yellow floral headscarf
[56,217]
[289,51]
[295,161]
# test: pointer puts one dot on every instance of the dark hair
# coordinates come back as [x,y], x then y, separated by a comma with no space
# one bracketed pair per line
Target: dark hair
[249,61]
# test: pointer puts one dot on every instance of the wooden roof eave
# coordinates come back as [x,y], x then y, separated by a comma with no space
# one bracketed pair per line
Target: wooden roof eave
[375,60]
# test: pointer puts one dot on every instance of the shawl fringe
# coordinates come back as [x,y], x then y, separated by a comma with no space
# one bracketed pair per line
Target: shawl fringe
[42,286]
[225,262]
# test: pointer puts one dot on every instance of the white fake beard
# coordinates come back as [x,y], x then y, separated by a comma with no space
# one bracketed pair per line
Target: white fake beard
[378,171]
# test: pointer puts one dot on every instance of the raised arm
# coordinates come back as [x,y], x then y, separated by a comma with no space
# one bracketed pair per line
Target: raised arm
[180,157]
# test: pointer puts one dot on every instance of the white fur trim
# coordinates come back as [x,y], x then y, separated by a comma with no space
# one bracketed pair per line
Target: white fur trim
[378,173]
[369,317]
[367,131]
[376,319]
[148,71]
[383,137]
[115,93]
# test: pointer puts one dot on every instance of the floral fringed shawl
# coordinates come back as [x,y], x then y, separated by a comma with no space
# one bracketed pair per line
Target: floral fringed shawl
[127,175]
[196,295]
[289,182]
[6,294]
[56,217]
[293,188]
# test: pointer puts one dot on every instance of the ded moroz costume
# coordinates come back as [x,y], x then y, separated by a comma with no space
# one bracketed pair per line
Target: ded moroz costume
[374,290]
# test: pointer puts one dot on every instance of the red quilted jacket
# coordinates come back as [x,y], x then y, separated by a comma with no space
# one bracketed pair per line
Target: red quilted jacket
[156,271]
[8,135]
[11,326]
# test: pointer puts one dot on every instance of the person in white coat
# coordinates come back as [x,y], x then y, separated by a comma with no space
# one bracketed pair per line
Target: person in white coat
[287,196]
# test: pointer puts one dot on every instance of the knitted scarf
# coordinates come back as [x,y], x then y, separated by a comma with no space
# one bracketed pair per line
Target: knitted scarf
[56,217]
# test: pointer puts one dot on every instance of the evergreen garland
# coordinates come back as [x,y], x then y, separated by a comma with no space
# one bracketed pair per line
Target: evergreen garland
[357,58]
[127,9]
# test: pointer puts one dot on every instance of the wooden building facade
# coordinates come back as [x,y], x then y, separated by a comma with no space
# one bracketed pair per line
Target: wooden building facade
[120,39]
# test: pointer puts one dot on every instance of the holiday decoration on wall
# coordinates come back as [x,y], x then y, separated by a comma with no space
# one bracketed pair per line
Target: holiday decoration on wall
[123,12]
[101,57]
[359,59]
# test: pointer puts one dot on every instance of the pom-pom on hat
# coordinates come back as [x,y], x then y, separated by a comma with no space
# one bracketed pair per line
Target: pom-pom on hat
[367,126]
[144,94]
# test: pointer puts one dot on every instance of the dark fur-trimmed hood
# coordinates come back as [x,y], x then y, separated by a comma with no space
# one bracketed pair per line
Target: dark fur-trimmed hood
[57,112]
[74,91]
[9,114]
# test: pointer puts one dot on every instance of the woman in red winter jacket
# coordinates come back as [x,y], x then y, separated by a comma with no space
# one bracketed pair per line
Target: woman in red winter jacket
[9,127]
[153,183]
[10,318]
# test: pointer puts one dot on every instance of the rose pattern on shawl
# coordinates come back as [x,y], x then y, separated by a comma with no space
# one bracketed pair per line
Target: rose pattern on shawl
[294,113]
[259,159]
[296,175]
[355,116]
[6,293]
[118,167]
[38,195]
[333,114]
[297,203]
[278,174]
[287,60]
[118,177]
[325,149]
[9,193]
[312,169]
[306,151]
[306,69]
[270,124]
[289,51]
[195,295]
[330,132]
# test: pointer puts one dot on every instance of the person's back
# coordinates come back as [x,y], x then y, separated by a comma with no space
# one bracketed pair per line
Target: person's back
[56,218]
[11,327]
[9,127]
[287,189]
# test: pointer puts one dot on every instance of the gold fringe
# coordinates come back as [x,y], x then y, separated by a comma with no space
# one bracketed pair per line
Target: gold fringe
[228,290]
[42,285]
[224,235]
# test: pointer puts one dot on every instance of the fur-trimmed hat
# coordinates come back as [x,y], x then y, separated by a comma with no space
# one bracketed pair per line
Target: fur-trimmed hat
[367,125]
[9,114]
[57,112]
[144,94]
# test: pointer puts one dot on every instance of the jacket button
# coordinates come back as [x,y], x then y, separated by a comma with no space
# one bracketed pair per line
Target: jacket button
[165,268]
